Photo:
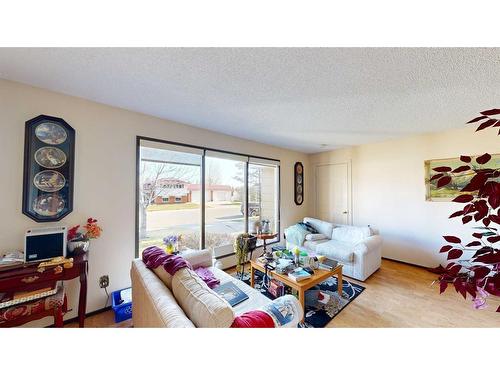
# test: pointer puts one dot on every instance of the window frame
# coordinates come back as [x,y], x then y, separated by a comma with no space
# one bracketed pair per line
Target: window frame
[202,195]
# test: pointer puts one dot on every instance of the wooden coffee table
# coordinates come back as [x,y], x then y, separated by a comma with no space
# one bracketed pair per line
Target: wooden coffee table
[300,286]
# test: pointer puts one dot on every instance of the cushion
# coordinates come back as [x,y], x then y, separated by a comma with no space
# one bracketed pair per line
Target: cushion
[196,258]
[351,234]
[253,319]
[321,226]
[310,246]
[308,227]
[315,237]
[154,305]
[163,276]
[204,307]
[285,311]
[341,251]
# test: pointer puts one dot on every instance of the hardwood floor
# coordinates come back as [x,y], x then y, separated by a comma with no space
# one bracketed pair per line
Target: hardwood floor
[102,320]
[397,295]
[400,295]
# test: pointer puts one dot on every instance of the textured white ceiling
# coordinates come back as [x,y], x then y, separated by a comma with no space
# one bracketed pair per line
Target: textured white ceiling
[297,98]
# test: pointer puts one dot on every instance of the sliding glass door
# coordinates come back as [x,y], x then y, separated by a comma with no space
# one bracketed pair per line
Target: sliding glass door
[263,192]
[205,197]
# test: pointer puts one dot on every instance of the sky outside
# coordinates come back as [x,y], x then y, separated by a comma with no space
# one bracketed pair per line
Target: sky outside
[223,170]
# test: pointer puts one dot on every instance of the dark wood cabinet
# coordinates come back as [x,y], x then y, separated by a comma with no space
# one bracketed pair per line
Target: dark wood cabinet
[30,277]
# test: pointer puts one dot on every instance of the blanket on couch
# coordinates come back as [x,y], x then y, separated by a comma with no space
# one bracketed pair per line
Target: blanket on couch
[296,234]
[154,257]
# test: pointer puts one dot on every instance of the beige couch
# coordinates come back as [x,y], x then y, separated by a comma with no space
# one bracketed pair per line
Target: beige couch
[184,300]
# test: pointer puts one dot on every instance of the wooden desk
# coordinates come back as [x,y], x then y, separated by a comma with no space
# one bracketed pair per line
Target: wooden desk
[27,277]
[300,286]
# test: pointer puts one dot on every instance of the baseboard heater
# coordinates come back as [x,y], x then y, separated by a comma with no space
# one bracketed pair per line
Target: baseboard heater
[226,255]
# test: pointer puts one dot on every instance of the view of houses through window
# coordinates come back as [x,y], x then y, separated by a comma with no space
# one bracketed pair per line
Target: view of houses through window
[171,190]
[225,200]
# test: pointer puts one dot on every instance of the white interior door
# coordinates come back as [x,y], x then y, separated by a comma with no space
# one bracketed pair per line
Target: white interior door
[332,193]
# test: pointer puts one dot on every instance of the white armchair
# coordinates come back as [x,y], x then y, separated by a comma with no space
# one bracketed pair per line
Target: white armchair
[367,258]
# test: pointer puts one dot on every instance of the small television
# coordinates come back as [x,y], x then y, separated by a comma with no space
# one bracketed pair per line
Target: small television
[44,243]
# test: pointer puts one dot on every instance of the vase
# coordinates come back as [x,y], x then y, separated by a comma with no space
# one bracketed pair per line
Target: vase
[265,226]
[296,260]
[170,249]
[256,227]
[78,247]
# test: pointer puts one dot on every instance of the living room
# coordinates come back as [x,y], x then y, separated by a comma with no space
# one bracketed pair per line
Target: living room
[341,186]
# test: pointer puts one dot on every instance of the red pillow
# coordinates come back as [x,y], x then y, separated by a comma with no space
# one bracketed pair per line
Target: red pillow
[253,319]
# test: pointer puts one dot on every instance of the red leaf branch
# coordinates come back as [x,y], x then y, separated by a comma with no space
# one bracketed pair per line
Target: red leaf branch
[480,276]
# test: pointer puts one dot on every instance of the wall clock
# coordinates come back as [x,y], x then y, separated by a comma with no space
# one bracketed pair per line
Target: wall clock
[49,148]
[298,171]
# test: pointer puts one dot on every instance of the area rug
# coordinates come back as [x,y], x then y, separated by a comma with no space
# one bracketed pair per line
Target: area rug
[318,315]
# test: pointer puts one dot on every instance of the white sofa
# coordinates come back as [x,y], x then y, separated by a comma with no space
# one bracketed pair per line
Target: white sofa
[359,249]
[157,302]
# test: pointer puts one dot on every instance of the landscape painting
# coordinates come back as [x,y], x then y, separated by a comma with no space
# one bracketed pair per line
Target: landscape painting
[449,192]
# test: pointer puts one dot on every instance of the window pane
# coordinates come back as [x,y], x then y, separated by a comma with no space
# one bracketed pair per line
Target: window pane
[263,195]
[168,202]
[224,196]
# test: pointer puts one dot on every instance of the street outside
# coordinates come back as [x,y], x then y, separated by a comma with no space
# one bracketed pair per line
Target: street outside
[222,218]
[218,214]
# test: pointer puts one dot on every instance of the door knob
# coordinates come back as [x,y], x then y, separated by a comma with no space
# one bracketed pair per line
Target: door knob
[345,212]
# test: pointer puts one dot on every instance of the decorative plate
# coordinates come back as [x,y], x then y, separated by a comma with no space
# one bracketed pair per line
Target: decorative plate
[298,183]
[48,204]
[51,133]
[49,181]
[50,157]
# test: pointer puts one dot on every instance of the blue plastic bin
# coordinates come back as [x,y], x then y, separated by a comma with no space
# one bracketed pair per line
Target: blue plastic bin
[123,311]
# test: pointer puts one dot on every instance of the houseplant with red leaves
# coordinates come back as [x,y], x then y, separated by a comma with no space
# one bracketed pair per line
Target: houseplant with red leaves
[479,276]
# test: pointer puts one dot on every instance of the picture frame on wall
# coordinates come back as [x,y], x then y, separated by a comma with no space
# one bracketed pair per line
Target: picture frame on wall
[49,150]
[298,172]
[452,190]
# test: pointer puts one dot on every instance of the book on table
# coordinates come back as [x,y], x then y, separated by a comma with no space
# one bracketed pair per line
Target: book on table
[328,264]
[231,293]
[299,274]
[14,258]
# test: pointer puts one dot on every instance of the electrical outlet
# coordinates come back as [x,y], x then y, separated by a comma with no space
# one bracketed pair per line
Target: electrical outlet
[104,281]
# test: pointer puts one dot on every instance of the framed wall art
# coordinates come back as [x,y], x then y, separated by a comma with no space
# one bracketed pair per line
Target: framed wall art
[49,149]
[298,171]
[452,190]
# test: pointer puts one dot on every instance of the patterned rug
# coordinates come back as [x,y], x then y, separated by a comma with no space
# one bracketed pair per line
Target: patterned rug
[319,314]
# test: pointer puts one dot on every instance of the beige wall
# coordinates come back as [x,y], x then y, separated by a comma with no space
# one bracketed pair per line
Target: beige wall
[105,174]
[388,189]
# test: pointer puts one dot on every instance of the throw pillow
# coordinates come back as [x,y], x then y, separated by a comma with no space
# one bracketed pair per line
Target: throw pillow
[204,307]
[308,227]
[315,237]
[253,319]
